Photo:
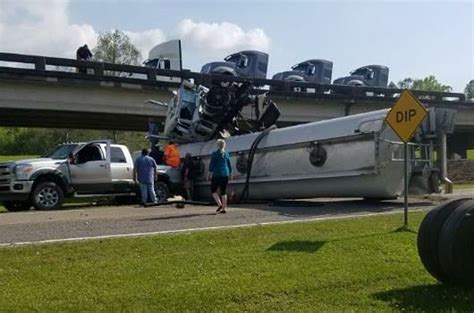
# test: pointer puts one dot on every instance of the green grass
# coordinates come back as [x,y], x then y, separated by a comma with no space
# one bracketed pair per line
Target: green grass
[364,264]
[461,187]
[5,158]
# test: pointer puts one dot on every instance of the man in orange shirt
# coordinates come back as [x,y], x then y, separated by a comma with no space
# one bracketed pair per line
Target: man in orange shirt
[171,155]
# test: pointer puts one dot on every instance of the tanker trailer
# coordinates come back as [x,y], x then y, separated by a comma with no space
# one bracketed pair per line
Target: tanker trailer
[351,156]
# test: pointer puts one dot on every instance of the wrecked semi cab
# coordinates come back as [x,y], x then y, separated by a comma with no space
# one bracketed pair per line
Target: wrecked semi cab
[247,64]
[75,170]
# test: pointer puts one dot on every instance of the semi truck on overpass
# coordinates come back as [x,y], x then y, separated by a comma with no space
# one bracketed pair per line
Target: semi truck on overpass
[369,75]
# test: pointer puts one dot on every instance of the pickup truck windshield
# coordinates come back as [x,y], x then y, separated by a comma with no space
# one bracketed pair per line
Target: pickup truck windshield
[61,152]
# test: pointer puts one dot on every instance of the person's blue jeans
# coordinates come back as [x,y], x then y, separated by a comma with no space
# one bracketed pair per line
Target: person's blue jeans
[147,192]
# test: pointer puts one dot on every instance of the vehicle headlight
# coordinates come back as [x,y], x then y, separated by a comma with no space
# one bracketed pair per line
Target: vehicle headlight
[23,171]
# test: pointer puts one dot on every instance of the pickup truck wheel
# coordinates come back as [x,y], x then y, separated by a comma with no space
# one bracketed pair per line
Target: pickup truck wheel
[47,196]
[16,206]
[162,192]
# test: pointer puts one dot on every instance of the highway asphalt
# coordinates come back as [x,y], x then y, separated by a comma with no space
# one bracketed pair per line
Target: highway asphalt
[78,223]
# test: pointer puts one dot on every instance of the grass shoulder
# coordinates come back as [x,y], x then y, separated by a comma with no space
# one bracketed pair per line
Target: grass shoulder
[361,264]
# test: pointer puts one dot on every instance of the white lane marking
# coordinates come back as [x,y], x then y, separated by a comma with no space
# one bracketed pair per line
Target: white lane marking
[176,231]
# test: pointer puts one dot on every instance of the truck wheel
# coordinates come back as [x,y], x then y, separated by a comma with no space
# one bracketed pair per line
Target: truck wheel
[453,248]
[162,192]
[47,196]
[429,234]
[464,250]
[16,206]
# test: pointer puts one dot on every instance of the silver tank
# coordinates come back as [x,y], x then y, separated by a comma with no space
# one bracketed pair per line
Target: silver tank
[343,157]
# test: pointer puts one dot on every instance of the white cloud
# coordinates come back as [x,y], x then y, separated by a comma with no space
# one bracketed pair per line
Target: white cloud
[42,27]
[218,39]
[146,40]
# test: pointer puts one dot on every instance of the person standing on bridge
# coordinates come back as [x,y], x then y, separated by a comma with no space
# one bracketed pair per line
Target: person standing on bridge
[221,170]
[145,172]
[83,54]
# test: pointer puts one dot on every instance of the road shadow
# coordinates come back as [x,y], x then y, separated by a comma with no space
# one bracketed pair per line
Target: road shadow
[297,246]
[429,298]
[324,207]
[172,217]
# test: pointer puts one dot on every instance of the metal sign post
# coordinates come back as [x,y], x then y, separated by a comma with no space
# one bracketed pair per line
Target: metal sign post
[405,204]
[404,118]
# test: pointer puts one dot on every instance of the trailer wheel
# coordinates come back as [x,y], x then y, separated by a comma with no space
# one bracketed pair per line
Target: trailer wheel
[162,191]
[452,247]
[17,206]
[47,196]
[428,237]
[464,250]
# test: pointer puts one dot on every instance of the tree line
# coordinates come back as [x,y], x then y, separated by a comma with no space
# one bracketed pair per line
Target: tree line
[116,47]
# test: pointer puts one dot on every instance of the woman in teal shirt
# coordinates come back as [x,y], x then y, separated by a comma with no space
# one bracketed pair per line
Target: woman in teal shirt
[221,170]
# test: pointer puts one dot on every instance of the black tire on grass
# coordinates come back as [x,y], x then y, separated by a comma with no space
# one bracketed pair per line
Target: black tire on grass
[428,237]
[464,250]
[452,248]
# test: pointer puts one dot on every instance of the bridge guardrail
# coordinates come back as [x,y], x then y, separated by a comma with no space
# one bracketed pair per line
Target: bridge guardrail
[105,71]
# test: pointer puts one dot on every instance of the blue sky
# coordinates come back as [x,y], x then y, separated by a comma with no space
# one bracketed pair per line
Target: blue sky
[414,39]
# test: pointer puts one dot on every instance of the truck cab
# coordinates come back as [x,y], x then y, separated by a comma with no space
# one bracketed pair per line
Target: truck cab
[248,64]
[369,75]
[315,71]
[164,56]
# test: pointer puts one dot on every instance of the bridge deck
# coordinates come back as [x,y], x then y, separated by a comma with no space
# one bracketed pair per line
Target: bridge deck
[47,96]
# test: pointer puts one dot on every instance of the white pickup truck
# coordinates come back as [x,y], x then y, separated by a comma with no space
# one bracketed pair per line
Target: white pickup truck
[91,169]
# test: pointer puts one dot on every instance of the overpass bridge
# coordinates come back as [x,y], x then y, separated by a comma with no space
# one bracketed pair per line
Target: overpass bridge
[49,92]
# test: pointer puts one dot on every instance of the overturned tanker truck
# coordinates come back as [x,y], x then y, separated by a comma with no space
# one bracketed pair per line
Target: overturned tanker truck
[351,156]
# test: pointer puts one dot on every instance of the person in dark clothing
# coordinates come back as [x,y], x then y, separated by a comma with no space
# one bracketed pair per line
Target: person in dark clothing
[83,54]
[153,132]
[221,170]
[157,154]
[189,171]
[144,173]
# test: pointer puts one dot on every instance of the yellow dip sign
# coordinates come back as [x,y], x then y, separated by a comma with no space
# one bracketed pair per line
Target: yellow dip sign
[406,115]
